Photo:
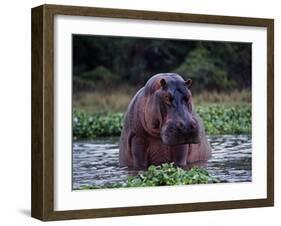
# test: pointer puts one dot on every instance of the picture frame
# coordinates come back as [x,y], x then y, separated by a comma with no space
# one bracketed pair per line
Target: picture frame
[43,184]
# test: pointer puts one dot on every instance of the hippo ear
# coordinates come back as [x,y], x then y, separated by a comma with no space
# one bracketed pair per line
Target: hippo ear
[188,83]
[163,83]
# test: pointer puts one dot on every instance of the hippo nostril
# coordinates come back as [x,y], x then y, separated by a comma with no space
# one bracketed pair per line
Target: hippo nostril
[180,125]
[186,126]
[193,124]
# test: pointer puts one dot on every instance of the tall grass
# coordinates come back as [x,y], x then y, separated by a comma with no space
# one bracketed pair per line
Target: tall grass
[118,100]
[236,97]
[102,102]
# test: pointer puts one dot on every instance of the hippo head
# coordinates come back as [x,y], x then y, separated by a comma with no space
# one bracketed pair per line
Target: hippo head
[169,110]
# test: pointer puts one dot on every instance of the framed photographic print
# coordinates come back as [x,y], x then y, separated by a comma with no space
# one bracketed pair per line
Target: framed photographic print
[141,112]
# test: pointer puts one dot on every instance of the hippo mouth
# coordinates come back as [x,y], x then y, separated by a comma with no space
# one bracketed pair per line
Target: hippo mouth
[177,139]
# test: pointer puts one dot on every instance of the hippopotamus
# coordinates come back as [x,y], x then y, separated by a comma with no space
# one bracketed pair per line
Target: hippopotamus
[162,126]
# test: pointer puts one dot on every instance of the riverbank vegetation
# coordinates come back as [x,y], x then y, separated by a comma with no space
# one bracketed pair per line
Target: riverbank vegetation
[117,100]
[217,119]
[108,71]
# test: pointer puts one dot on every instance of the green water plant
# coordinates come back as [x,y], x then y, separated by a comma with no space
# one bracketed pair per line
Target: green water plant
[169,174]
[87,126]
[217,119]
[163,175]
[220,119]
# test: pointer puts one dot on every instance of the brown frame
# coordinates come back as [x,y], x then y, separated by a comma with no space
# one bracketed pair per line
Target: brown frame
[42,203]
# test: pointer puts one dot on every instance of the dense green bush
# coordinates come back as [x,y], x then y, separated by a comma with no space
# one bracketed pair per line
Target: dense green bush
[108,60]
[162,175]
[206,71]
[99,74]
[217,119]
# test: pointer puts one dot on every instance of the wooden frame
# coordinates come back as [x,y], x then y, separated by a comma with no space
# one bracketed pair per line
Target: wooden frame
[42,204]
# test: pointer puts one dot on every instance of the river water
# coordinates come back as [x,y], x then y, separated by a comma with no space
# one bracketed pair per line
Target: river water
[95,162]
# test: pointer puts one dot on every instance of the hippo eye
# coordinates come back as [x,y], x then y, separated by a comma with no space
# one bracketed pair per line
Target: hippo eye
[168,98]
[189,107]
[186,99]
[156,124]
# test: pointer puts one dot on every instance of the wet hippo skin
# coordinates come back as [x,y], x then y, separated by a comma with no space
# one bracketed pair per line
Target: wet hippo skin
[161,125]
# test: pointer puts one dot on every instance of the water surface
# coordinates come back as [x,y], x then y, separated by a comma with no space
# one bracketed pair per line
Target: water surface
[95,162]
